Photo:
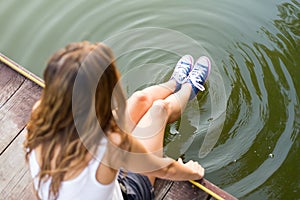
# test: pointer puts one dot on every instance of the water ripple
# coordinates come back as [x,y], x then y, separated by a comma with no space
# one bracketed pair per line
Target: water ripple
[255,50]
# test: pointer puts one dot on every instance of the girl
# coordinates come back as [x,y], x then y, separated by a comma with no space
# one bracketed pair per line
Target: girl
[85,141]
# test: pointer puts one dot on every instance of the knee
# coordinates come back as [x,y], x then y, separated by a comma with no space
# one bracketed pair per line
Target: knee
[142,98]
[161,108]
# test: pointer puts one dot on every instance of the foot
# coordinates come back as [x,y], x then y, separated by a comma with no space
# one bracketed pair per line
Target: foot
[181,72]
[199,75]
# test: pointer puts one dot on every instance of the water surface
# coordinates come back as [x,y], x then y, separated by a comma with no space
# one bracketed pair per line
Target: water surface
[250,109]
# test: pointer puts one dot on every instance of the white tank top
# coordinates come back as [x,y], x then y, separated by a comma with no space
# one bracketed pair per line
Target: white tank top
[84,186]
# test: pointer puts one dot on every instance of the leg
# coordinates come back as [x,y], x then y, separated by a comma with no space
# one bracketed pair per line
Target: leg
[178,101]
[140,102]
[151,128]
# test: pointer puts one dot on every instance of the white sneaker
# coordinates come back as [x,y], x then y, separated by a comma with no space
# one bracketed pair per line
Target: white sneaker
[182,69]
[199,74]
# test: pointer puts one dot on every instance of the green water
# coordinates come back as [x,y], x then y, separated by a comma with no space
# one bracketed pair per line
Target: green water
[244,128]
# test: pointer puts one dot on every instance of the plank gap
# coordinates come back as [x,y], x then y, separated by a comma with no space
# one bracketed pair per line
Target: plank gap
[13,139]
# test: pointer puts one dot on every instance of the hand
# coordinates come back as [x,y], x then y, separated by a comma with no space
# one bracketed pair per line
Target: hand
[198,170]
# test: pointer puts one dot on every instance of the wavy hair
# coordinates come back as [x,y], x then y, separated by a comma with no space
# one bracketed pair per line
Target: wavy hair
[53,125]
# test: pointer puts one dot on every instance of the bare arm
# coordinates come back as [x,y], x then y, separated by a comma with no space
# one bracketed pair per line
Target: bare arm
[139,160]
[177,171]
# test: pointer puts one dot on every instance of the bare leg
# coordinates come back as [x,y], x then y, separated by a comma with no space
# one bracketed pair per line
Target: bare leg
[151,127]
[178,102]
[140,102]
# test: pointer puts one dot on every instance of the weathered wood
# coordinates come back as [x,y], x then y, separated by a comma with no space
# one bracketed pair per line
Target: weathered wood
[10,81]
[14,174]
[165,189]
[217,190]
[185,190]
[162,187]
[28,192]
[17,96]
[15,113]
[21,71]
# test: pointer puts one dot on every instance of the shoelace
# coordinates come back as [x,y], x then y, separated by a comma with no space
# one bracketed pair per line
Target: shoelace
[181,71]
[196,77]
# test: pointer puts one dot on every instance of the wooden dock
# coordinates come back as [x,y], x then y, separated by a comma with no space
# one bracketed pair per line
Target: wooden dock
[19,90]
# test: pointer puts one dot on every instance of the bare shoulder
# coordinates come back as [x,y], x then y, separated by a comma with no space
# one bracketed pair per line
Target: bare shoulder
[36,105]
[115,138]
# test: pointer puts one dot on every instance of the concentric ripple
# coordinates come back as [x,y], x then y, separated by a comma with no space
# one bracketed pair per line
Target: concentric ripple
[251,104]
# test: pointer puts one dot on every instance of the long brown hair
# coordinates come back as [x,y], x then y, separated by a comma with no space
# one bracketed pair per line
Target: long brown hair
[53,124]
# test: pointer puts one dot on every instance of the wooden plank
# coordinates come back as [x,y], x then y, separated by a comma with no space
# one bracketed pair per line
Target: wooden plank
[28,192]
[10,81]
[21,70]
[17,96]
[185,190]
[15,113]
[217,190]
[161,188]
[165,189]
[15,179]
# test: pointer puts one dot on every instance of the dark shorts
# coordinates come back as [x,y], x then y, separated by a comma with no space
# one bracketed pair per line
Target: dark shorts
[135,186]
